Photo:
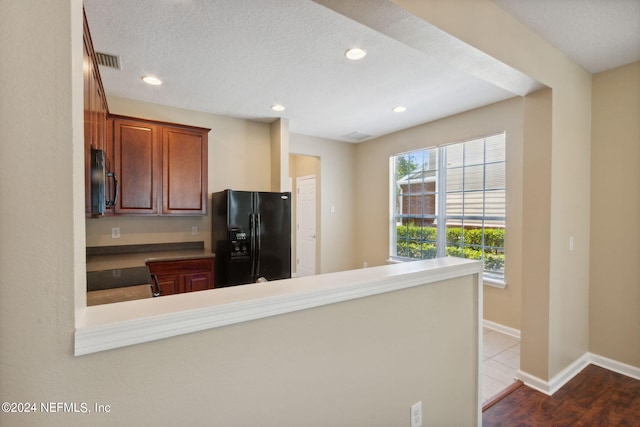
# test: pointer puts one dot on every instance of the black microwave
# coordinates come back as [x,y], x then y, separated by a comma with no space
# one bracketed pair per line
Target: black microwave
[99,176]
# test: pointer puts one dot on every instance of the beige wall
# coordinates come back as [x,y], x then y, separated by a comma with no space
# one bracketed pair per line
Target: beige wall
[280,181]
[614,299]
[372,171]
[337,182]
[536,232]
[483,25]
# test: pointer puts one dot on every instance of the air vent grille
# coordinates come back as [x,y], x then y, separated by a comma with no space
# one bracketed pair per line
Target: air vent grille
[111,61]
[357,136]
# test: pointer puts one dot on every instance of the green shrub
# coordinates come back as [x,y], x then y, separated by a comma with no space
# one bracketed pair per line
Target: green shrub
[473,236]
[416,250]
[416,233]
[419,243]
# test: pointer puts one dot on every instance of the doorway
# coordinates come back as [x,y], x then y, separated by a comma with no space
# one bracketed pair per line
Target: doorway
[305,231]
[306,225]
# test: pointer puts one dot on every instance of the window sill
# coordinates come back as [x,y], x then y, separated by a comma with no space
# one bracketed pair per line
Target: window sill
[494,283]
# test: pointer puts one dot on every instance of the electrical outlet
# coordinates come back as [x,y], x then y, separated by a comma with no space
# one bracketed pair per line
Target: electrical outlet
[416,414]
[115,233]
[194,230]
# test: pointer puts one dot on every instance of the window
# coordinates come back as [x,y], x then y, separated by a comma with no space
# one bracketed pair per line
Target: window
[450,201]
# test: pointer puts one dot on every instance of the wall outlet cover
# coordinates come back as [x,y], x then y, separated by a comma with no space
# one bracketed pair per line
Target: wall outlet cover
[416,414]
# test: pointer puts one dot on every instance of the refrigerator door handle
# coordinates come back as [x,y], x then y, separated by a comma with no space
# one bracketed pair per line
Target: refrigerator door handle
[259,243]
[252,250]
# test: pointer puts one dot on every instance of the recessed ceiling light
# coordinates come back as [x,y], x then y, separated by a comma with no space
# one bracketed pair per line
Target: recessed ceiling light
[152,80]
[355,54]
[399,109]
[278,107]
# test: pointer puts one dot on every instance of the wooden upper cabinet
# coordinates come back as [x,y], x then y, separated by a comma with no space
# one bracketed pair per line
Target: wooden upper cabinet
[95,100]
[184,171]
[137,166]
[161,167]
[95,111]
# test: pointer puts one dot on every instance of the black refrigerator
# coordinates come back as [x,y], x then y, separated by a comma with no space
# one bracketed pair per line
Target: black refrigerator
[251,236]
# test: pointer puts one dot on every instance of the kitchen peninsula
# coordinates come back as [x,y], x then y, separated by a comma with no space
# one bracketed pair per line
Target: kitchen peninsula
[454,281]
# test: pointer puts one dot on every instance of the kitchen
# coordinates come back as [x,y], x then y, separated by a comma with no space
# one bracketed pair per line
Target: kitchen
[278,357]
[262,166]
[253,142]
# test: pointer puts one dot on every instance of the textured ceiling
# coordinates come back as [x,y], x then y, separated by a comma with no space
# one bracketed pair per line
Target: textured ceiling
[597,34]
[239,57]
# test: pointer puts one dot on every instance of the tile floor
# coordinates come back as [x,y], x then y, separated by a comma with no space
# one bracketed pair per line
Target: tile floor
[500,361]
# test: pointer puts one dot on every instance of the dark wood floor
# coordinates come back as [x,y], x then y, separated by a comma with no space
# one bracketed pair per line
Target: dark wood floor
[594,397]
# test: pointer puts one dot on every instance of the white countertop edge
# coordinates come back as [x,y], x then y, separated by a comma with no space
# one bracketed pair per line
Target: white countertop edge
[117,325]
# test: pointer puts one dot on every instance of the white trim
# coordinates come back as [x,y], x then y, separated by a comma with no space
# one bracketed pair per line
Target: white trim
[480,347]
[615,366]
[533,382]
[494,283]
[110,326]
[501,328]
[564,376]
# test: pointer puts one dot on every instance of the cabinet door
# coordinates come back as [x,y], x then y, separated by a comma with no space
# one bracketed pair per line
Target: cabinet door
[184,171]
[198,282]
[95,110]
[170,285]
[137,165]
[87,65]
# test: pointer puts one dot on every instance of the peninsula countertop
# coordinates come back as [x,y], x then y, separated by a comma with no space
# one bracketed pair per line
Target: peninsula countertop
[113,262]
[131,256]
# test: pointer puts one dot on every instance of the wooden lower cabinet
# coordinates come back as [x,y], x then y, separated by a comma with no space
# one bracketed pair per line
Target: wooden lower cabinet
[180,276]
[198,282]
[167,285]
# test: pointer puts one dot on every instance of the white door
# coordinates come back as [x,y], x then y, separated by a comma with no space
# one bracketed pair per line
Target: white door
[306,225]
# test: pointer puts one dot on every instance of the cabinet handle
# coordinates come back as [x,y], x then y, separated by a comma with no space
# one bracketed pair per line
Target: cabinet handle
[155,286]
[113,202]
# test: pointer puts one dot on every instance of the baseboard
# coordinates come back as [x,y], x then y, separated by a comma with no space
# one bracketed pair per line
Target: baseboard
[553,385]
[615,366]
[501,328]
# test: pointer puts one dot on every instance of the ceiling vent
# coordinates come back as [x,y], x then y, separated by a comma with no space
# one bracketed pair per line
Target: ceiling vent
[357,136]
[111,61]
